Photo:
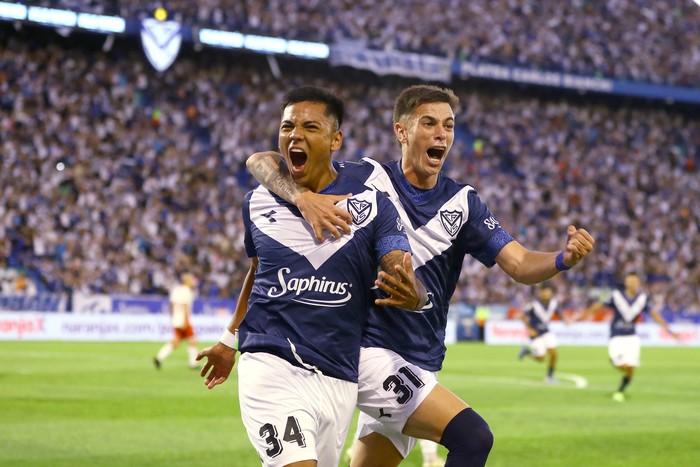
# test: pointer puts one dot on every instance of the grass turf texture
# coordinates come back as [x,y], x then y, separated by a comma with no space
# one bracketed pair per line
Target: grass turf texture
[104,404]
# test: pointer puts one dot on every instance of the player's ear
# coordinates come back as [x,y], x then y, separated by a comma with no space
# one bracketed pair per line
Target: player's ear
[337,140]
[400,131]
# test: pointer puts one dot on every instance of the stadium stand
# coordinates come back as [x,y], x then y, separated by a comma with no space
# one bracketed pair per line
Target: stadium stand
[115,176]
[625,39]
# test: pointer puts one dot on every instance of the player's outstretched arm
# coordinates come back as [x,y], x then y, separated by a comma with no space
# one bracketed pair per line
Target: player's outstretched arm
[590,311]
[532,267]
[320,211]
[398,279]
[656,316]
[222,356]
[530,330]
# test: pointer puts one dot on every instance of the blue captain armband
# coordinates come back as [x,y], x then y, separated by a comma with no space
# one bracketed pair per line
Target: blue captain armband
[559,262]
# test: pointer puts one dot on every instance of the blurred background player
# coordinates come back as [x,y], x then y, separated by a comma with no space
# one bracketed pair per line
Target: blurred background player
[181,300]
[429,451]
[628,305]
[536,317]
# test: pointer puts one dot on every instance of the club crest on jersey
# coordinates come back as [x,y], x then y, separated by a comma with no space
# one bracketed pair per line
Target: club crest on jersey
[359,210]
[451,221]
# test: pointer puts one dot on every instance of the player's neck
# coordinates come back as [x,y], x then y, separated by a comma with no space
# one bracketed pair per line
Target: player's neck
[321,180]
[416,177]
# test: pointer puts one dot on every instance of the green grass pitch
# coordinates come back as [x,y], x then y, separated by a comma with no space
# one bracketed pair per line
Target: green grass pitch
[103,404]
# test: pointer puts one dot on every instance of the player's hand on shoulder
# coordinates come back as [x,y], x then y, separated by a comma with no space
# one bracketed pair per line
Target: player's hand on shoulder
[579,244]
[323,214]
[220,360]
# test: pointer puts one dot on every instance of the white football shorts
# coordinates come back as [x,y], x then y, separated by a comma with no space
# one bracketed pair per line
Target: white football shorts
[292,414]
[539,345]
[625,350]
[390,390]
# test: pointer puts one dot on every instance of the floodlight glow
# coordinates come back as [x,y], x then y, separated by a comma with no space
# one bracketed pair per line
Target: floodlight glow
[101,23]
[52,17]
[309,49]
[12,11]
[233,40]
[273,45]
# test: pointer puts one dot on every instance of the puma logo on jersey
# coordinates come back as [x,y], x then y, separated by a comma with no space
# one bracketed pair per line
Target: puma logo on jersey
[268,215]
[429,304]
[451,221]
[359,210]
[385,193]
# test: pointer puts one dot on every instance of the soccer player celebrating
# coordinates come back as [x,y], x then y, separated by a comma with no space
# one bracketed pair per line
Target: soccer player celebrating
[624,348]
[536,318]
[399,396]
[307,301]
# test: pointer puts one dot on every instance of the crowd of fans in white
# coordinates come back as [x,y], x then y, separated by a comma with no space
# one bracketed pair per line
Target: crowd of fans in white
[636,40]
[115,177]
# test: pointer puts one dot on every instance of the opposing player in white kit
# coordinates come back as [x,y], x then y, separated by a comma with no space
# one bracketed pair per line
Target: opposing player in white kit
[300,339]
[543,342]
[624,349]
[181,300]
[399,396]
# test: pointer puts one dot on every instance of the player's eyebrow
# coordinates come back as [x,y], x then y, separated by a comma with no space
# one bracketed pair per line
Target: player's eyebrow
[304,122]
[433,119]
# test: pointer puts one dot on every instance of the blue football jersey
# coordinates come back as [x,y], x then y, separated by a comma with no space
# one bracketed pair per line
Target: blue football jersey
[309,302]
[443,225]
[626,311]
[539,315]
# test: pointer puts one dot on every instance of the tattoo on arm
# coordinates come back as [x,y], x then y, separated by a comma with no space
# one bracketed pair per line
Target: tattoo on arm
[390,260]
[274,175]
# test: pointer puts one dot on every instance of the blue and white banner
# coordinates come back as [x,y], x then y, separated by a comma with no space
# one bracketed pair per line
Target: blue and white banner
[91,304]
[99,304]
[38,302]
[214,306]
[592,333]
[527,76]
[161,41]
[139,305]
[426,67]
[35,326]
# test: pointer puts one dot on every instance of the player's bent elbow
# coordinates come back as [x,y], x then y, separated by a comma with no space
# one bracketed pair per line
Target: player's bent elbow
[253,160]
[256,158]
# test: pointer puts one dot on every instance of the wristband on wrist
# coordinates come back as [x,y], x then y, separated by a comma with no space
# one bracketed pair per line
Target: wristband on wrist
[230,339]
[559,262]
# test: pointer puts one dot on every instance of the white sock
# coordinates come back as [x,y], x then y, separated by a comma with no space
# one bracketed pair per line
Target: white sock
[429,449]
[164,351]
[192,353]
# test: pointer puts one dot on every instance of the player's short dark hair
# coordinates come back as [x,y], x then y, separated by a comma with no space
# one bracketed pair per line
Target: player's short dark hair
[334,105]
[419,94]
[548,285]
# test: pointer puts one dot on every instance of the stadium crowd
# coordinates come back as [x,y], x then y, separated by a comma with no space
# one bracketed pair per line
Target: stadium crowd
[633,40]
[115,177]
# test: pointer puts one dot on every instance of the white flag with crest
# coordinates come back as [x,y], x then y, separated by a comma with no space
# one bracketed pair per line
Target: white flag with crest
[161,41]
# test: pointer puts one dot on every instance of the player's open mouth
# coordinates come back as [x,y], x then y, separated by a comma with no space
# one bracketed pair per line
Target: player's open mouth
[436,153]
[297,157]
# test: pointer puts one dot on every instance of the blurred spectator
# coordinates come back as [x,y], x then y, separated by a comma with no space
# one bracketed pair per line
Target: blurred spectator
[22,286]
